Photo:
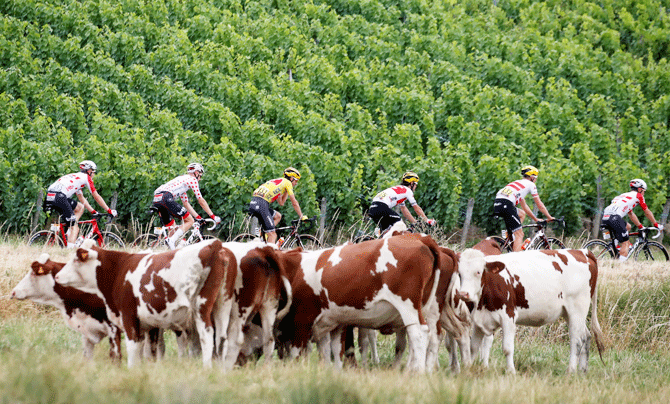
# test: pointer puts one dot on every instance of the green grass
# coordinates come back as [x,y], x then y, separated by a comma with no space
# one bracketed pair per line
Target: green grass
[41,360]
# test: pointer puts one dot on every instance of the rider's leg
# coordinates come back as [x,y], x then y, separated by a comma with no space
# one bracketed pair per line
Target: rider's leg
[186,225]
[74,229]
[522,215]
[272,235]
[518,239]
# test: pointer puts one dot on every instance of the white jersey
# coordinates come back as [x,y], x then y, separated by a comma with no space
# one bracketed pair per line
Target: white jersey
[624,203]
[179,186]
[395,196]
[517,190]
[72,183]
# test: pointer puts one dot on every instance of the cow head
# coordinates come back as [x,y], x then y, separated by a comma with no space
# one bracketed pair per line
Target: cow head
[471,268]
[80,271]
[38,284]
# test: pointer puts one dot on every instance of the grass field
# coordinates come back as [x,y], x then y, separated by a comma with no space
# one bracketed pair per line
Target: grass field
[41,361]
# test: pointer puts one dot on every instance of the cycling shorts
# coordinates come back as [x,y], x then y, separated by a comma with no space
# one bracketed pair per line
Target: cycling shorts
[260,208]
[168,207]
[505,209]
[383,216]
[64,205]
[617,227]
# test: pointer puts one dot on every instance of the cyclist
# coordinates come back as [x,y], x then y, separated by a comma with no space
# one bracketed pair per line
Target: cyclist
[278,189]
[623,205]
[381,211]
[59,196]
[514,194]
[164,201]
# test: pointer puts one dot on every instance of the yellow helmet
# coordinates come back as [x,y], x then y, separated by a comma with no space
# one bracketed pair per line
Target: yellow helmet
[410,177]
[291,172]
[530,170]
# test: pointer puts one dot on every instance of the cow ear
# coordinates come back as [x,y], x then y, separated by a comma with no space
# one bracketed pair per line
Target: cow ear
[84,255]
[495,267]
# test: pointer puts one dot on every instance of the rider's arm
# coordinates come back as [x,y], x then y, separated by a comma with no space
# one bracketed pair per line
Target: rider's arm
[650,216]
[296,205]
[282,199]
[408,216]
[84,202]
[188,207]
[526,208]
[541,208]
[100,201]
[419,212]
[634,219]
[205,207]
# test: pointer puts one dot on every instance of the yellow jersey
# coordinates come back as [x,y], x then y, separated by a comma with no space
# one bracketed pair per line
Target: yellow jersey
[273,188]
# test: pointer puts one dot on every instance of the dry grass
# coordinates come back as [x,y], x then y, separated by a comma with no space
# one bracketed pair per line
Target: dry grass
[40,359]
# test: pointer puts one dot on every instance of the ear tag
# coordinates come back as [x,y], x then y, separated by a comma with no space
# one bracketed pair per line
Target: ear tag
[84,256]
[41,271]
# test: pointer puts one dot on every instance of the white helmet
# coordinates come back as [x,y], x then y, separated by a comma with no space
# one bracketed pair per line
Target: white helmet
[87,165]
[195,167]
[638,183]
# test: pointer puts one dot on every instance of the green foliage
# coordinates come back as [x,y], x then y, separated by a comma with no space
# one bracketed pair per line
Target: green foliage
[351,93]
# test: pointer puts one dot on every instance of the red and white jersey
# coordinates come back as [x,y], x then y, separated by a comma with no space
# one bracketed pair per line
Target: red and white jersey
[517,190]
[72,183]
[395,196]
[180,185]
[624,203]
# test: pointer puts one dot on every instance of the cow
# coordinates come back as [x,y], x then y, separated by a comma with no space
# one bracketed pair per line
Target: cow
[532,288]
[171,290]
[377,284]
[261,283]
[83,312]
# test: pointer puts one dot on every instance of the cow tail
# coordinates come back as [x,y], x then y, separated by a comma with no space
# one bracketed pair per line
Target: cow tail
[457,324]
[287,286]
[595,325]
[437,264]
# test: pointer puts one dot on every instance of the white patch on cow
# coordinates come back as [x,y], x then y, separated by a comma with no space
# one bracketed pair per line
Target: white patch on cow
[311,274]
[81,275]
[385,258]
[335,257]
[43,258]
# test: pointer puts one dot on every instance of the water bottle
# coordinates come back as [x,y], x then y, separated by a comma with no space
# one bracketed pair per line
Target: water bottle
[504,234]
[525,244]
[80,240]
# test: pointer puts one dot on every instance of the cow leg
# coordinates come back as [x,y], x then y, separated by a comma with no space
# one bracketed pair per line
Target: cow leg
[134,350]
[464,346]
[478,346]
[114,342]
[182,343]
[324,345]
[433,346]
[206,334]
[367,341]
[400,346]
[336,346]
[580,339]
[418,342]
[88,346]
[508,333]
[268,315]
[452,347]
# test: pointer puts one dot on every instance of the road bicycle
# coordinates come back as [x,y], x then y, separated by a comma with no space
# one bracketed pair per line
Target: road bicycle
[160,234]
[56,236]
[294,239]
[642,250]
[539,241]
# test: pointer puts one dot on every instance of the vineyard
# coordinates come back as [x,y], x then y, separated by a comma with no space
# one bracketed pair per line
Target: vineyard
[352,93]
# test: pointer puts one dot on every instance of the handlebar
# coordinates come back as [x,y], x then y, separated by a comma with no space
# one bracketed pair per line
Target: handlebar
[100,215]
[543,223]
[643,232]
[202,221]
[298,222]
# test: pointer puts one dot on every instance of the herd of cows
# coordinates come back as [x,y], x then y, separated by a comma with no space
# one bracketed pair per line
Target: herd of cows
[230,301]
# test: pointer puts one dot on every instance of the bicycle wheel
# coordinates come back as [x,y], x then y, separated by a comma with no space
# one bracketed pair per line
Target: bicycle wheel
[650,251]
[45,238]
[244,238]
[501,242]
[306,241]
[551,244]
[148,240]
[601,249]
[363,238]
[110,240]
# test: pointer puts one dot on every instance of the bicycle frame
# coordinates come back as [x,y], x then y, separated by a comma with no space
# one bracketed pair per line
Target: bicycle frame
[538,240]
[59,228]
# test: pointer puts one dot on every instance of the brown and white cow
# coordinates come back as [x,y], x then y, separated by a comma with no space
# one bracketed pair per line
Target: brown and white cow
[374,284]
[532,288]
[260,284]
[83,312]
[174,290]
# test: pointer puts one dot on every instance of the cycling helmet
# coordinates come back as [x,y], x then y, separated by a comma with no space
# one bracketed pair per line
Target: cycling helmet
[291,172]
[87,165]
[529,170]
[638,183]
[195,167]
[410,177]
